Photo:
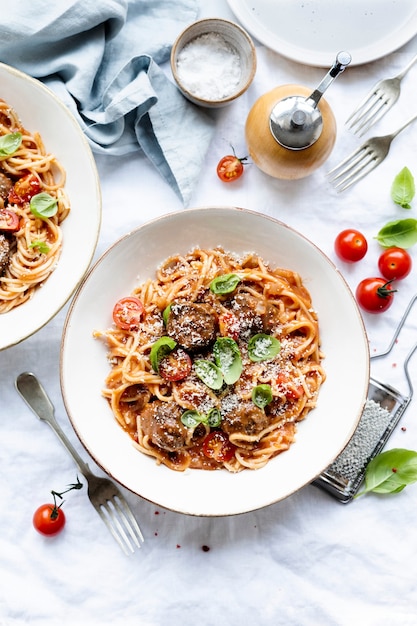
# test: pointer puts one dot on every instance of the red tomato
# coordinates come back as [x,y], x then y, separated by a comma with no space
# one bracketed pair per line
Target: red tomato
[229,325]
[350,245]
[374,295]
[9,220]
[230,168]
[175,366]
[49,519]
[128,312]
[395,263]
[291,390]
[24,189]
[217,446]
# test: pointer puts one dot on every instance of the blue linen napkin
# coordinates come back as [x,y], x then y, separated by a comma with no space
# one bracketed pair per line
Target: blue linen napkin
[103,60]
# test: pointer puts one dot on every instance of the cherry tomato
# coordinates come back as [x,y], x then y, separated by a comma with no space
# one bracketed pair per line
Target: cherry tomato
[48,519]
[230,168]
[350,245]
[229,325]
[24,189]
[9,220]
[217,446]
[289,388]
[128,312]
[175,366]
[374,295]
[395,263]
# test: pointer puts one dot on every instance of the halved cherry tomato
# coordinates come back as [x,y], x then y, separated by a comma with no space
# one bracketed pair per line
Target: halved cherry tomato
[375,295]
[230,168]
[24,189]
[350,245]
[175,366]
[395,263]
[291,390]
[9,220]
[128,312]
[48,519]
[217,446]
[229,325]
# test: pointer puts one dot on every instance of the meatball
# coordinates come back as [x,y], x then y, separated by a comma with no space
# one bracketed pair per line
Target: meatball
[5,185]
[161,421]
[243,417]
[193,325]
[249,311]
[4,253]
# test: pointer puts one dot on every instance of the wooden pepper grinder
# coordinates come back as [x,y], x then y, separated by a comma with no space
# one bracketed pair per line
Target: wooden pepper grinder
[290,132]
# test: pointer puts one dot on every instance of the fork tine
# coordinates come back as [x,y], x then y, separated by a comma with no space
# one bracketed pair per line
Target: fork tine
[350,159]
[118,523]
[362,103]
[361,169]
[364,109]
[377,112]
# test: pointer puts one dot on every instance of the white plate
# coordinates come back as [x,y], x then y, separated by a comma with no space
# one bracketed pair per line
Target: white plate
[314,31]
[40,110]
[84,367]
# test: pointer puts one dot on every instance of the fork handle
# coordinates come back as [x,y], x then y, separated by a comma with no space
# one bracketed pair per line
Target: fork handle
[35,396]
[401,75]
[401,128]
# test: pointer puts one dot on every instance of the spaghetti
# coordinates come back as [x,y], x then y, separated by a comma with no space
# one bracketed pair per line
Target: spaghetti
[218,363]
[30,242]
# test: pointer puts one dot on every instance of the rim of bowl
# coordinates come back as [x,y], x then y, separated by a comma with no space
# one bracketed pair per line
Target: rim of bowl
[187,35]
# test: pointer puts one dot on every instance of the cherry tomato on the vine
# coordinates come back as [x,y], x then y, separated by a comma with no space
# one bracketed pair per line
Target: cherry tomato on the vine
[395,263]
[350,245]
[49,519]
[230,168]
[128,312]
[375,295]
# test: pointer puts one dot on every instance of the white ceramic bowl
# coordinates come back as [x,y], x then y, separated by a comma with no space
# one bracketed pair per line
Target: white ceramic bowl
[320,438]
[236,39]
[40,110]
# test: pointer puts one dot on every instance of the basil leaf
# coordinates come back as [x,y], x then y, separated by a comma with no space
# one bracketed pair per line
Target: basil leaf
[403,188]
[400,234]
[161,348]
[262,395]
[263,347]
[40,245]
[224,284]
[165,314]
[191,419]
[209,373]
[43,205]
[9,144]
[391,471]
[214,418]
[227,356]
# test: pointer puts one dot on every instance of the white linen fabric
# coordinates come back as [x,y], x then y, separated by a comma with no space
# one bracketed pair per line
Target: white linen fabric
[102,59]
[304,561]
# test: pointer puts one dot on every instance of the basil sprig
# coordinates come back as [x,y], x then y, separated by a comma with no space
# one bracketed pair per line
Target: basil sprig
[391,471]
[209,373]
[192,418]
[224,284]
[43,205]
[159,349]
[403,188]
[399,233]
[262,347]
[262,395]
[9,144]
[228,359]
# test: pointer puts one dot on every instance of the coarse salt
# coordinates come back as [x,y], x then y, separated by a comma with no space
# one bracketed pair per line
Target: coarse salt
[209,67]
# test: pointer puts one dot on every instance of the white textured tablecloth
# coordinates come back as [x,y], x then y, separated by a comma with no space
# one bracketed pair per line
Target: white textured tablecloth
[304,561]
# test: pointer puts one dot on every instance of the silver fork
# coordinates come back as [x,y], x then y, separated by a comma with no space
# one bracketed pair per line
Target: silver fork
[106,498]
[363,160]
[377,102]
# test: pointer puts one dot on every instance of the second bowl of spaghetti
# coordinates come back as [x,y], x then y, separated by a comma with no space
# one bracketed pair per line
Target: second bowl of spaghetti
[215,365]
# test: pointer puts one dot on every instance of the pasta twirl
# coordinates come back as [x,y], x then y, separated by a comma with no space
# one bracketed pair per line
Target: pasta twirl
[222,364]
[30,250]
